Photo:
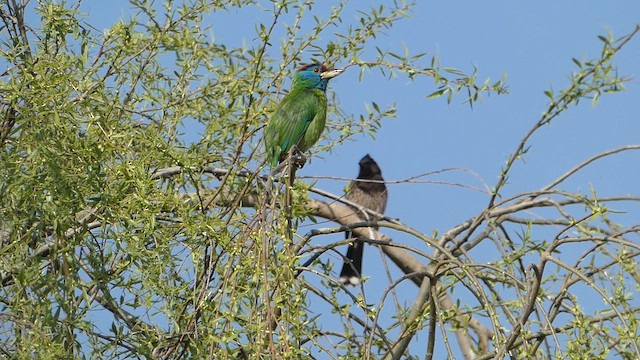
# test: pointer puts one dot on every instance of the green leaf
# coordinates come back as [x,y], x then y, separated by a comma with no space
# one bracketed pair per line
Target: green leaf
[438,93]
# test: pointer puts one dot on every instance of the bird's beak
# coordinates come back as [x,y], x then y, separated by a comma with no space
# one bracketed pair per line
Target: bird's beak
[330,74]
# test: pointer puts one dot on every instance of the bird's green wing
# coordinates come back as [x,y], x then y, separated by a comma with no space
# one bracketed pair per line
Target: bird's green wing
[291,120]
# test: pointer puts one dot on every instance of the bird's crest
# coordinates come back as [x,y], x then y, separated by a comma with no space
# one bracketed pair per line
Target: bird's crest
[323,67]
[369,169]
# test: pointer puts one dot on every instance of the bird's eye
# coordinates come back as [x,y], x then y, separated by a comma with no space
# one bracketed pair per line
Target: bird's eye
[316,70]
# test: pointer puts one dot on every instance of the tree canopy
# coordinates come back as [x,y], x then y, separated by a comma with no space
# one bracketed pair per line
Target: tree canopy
[134,221]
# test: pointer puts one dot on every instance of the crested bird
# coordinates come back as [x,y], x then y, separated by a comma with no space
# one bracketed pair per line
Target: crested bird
[299,119]
[368,194]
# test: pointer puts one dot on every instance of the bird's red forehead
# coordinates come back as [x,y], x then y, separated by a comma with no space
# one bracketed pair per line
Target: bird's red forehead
[305,67]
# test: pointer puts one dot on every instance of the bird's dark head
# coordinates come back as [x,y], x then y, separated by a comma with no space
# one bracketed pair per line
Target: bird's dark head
[369,169]
[314,76]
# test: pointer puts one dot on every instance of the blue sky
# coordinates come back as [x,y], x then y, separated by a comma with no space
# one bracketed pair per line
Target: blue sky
[531,43]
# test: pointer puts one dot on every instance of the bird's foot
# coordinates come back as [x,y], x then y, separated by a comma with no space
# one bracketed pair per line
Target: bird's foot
[297,158]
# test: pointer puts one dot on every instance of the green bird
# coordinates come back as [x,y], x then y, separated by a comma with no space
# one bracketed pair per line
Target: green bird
[300,117]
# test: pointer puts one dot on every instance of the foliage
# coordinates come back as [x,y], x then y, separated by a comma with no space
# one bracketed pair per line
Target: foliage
[130,225]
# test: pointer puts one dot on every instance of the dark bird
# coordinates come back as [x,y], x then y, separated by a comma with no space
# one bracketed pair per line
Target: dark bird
[370,195]
[300,117]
